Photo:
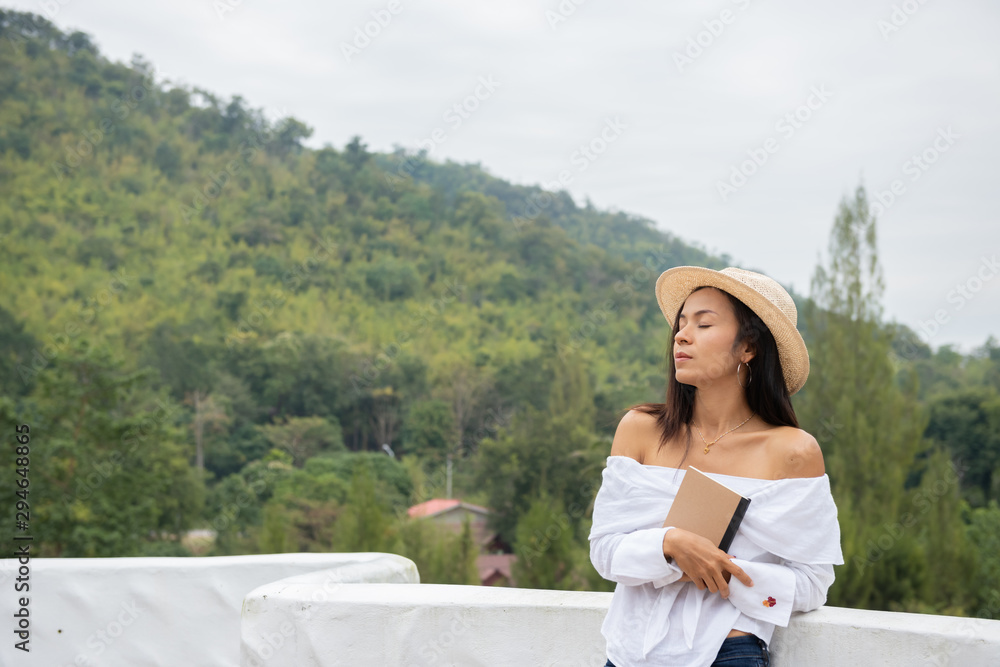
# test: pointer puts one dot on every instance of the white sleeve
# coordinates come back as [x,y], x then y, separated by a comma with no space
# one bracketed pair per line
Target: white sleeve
[779,589]
[634,558]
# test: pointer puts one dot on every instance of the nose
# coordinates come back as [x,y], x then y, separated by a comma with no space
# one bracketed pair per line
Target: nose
[680,334]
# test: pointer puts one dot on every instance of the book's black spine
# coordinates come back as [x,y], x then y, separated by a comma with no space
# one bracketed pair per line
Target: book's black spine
[734,524]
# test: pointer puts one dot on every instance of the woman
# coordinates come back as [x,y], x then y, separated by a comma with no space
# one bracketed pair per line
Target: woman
[736,359]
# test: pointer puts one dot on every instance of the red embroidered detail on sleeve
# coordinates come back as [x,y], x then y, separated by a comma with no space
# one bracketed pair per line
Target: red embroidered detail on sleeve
[770,602]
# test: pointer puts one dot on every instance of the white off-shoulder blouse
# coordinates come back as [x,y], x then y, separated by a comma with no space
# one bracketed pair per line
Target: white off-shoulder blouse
[788,543]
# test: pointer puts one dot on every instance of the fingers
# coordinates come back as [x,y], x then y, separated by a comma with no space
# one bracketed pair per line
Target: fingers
[721,586]
[702,563]
[738,572]
[717,581]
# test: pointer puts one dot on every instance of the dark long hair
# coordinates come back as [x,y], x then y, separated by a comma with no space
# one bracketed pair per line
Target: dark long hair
[766,394]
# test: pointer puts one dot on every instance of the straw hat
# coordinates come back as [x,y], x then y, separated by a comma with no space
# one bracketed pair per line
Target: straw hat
[761,294]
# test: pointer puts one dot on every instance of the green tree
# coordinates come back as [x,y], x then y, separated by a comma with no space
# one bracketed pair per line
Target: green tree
[549,452]
[544,546]
[869,425]
[364,521]
[429,430]
[16,350]
[984,532]
[967,422]
[304,437]
[110,465]
[235,508]
[467,552]
[950,586]
[275,537]
[442,556]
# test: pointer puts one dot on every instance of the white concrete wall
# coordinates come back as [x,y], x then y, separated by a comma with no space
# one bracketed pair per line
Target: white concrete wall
[145,612]
[837,636]
[388,625]
[436,625]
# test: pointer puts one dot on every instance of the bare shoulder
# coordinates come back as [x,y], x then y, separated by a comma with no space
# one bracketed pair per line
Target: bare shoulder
[796,453]
[633,435]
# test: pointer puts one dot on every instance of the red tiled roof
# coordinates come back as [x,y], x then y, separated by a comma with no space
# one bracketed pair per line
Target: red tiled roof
[438,505]
[432,507]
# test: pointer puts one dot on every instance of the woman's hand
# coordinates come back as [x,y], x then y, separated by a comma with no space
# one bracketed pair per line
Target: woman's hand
[702,562]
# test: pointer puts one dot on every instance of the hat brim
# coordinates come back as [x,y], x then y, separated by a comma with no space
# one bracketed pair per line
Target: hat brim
[675,285]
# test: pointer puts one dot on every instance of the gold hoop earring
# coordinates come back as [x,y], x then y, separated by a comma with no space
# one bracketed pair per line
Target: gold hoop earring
[750,377]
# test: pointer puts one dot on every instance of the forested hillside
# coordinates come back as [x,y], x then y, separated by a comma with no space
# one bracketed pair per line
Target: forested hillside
[208,325]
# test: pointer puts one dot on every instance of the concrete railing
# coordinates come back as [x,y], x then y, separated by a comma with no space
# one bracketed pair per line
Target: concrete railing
[146,612]
[392,625]
[318,609]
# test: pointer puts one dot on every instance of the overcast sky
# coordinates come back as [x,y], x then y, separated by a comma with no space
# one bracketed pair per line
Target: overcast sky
[736,125]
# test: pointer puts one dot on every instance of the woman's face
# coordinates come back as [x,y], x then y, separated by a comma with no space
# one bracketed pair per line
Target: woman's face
[705,334]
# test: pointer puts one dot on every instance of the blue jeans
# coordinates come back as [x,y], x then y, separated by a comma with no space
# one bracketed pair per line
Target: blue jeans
[739,651]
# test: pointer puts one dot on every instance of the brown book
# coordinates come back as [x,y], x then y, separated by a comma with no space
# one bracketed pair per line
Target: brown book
[707,507]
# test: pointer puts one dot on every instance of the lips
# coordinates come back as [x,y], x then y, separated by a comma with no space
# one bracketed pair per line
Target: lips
[680,355]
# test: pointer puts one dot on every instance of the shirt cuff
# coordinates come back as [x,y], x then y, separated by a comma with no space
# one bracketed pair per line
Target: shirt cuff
[771,596]
[639,557]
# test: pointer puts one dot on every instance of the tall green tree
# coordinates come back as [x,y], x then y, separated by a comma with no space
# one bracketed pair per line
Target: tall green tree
[544,545]
[275,535]
[951,585]
[869,425]
[364,521]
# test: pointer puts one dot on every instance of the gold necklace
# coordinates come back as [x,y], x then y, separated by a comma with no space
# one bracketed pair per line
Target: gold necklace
[709,444]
